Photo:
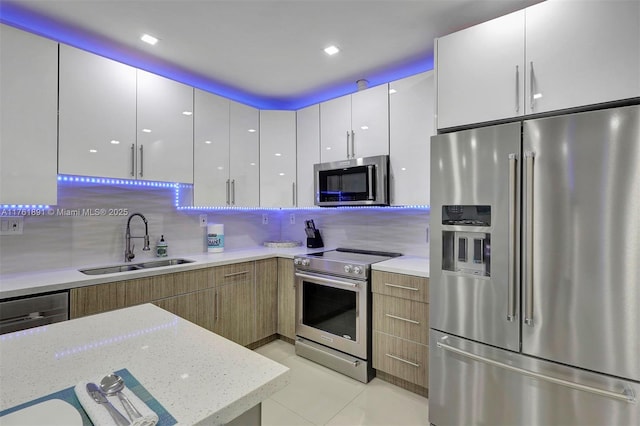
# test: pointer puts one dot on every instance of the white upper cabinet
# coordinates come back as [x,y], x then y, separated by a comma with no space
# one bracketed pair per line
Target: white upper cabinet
[356,125]
[97,133]
[370,122]
[411,125]
[277,158]
[28,119]
[480,73]
[335,129]
[211,150]
[551,56]
[164,129]
[308,153]
[581,53]
[119,122]
[244,156]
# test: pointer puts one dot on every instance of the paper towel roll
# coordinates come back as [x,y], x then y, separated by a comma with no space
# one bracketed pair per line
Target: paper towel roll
[215,238]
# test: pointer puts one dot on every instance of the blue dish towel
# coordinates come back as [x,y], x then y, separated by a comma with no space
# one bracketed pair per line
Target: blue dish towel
[68,395]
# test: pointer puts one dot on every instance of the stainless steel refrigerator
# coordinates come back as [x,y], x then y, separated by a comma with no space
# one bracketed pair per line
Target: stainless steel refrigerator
[535,272]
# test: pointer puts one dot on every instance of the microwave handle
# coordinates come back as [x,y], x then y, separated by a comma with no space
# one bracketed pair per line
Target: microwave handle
[370,190]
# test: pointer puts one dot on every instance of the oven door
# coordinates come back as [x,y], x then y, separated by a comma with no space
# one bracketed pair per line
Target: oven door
[332,311]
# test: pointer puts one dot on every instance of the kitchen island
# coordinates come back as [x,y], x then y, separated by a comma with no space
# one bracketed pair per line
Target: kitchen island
[198,376]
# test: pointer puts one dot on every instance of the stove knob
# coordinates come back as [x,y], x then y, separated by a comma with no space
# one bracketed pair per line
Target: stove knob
[305,262]
[348,269]
[357,270]
[296,261]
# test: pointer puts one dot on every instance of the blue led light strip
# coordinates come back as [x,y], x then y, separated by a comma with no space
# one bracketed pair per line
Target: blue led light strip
[178,187]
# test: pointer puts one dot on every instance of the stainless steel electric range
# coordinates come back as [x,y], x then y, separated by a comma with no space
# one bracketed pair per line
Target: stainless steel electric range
[333,309]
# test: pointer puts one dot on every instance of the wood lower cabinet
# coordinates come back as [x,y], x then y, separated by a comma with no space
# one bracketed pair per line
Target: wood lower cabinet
[401,327]
[286,299]
[238,301]
[235,312]
[401,358]
[195,307]
[97,298]
[403,318]
[266,298]
[234,316]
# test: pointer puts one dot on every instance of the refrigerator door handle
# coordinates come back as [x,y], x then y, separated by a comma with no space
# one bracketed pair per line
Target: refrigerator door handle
[511,290]
[528,267]
[626,396]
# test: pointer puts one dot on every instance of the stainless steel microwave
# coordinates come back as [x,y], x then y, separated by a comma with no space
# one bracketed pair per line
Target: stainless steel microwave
[356,182]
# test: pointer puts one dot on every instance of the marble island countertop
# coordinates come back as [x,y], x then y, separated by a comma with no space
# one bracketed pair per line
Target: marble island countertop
[24,284]
[198,376]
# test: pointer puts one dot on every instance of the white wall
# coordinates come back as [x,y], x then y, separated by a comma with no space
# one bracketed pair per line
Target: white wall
[59,242]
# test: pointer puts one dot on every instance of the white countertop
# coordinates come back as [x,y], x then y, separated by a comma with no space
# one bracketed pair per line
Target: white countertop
[195,374]
[409,265]
[24,284]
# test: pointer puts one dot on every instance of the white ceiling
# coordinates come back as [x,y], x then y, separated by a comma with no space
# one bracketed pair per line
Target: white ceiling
[264,51]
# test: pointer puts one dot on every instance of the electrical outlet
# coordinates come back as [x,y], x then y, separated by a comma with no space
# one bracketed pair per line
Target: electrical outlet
[11,225]
[203,220]
[292,218]
[265,219]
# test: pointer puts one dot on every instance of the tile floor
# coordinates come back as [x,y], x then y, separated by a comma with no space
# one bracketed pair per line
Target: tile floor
[319,396]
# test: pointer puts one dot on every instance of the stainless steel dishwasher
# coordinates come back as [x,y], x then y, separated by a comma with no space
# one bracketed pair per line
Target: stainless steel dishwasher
[33,311]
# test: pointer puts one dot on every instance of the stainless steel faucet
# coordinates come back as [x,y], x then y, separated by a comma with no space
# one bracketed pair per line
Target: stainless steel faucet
[128,251]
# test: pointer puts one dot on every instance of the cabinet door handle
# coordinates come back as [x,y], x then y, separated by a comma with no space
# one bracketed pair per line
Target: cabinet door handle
[293,198]
[233,192]
[141,159]
[353,144]
[348,155]
[133,159]
[397,358]
[403,319]
[401,287]
[235,274]
[531,87]
[228,187]
[217,306]
[517,89]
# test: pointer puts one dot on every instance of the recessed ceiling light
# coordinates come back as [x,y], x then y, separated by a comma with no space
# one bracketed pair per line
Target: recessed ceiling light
[252,164]
[149,39]
[392,91]
[146,130]
[252,130]
[207,142]
[187,113]
[115,142]
[277,154]
[364,127]
[281,174]
[331,50]
[93,151]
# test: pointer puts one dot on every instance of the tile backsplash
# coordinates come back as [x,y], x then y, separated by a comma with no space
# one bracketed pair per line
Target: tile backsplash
[67,238]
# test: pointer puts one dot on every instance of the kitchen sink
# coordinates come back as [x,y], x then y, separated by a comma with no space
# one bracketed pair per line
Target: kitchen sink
[134,266]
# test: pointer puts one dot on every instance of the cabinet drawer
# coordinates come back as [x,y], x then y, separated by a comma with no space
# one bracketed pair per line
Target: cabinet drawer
[401,358]
[400,285]
[401,317]
[234,273]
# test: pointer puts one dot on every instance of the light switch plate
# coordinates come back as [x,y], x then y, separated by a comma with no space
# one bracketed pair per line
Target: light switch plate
[11,225]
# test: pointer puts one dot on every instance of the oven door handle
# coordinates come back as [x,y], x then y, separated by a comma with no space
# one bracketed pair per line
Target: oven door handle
[349,285]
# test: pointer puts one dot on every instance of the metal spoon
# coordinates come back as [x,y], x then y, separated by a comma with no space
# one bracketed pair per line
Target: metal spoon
[112,384]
